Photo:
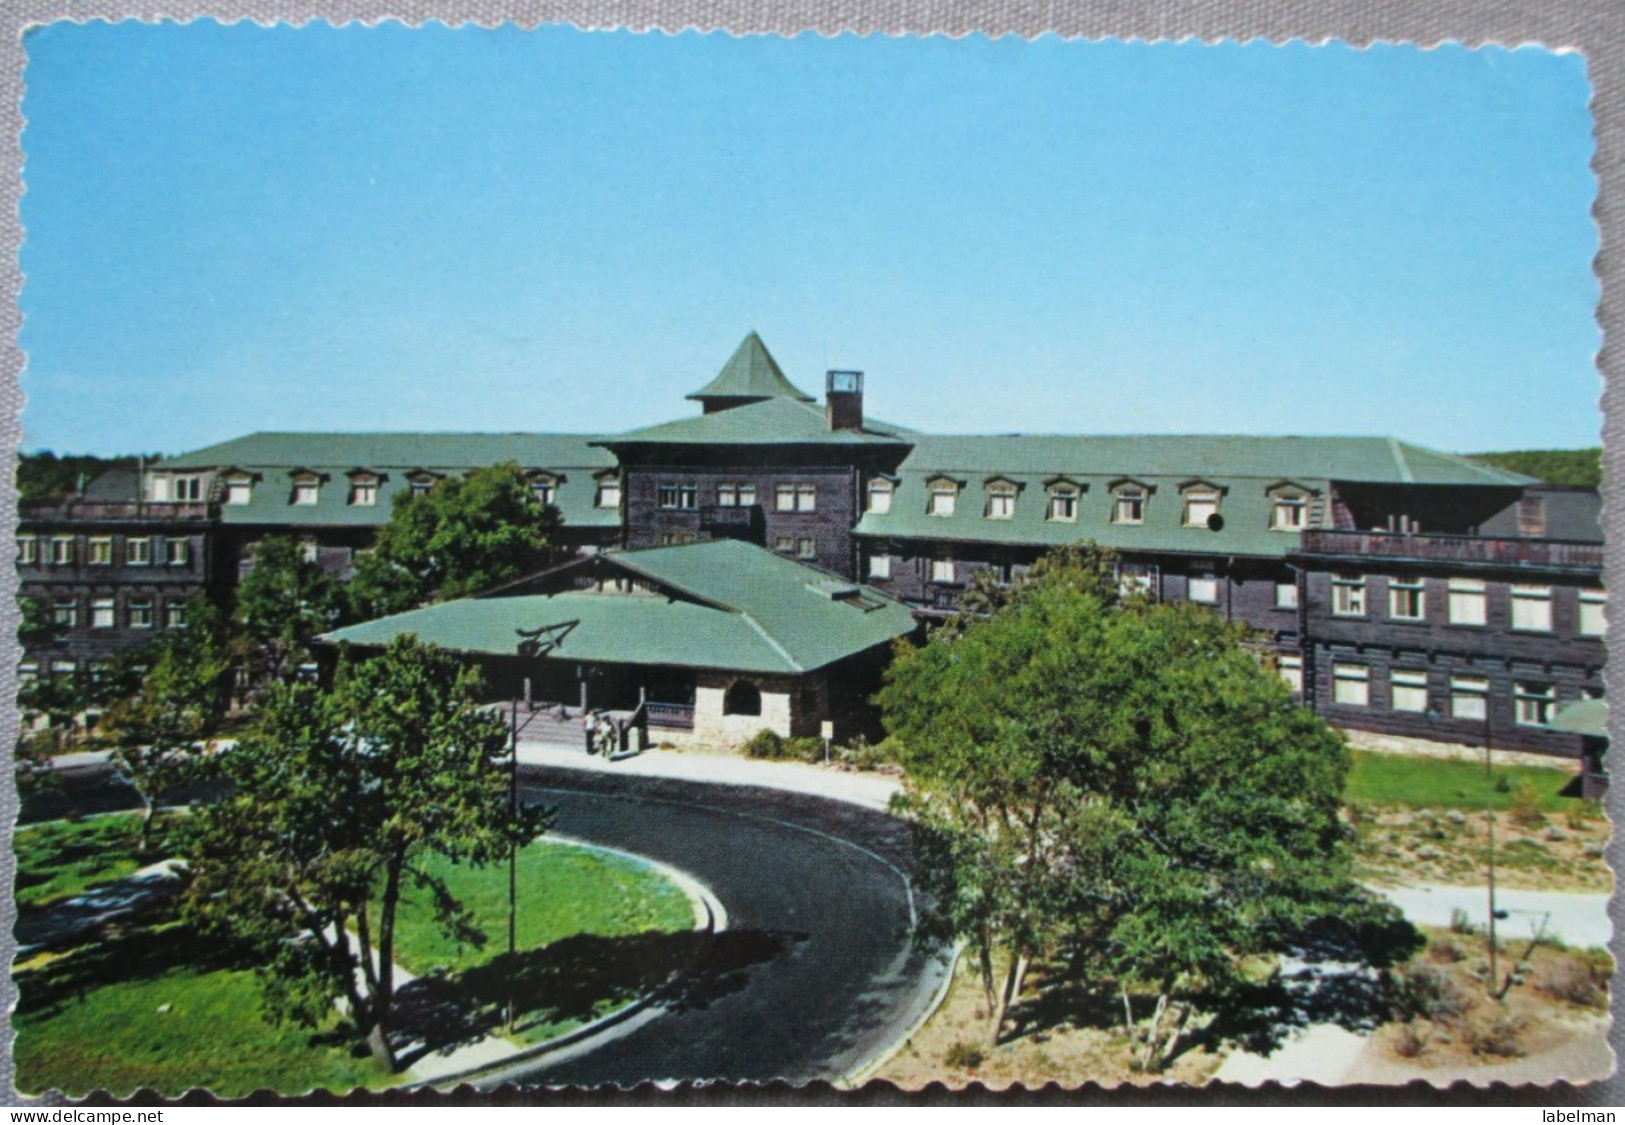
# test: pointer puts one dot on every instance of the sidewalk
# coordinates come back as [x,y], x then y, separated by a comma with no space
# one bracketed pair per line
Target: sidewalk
[1579,919]
[870,790]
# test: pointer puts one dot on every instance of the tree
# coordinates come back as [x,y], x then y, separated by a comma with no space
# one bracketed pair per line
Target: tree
[461,537]
[1118,780]
[336,796]
[163,730]
[284,603]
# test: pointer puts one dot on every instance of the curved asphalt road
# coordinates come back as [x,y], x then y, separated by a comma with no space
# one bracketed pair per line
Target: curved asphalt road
[816,973]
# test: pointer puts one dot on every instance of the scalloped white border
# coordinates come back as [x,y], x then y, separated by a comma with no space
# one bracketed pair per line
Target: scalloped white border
[1594,28]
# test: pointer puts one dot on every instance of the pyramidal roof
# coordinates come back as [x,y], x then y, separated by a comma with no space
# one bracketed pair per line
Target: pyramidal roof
[751,373]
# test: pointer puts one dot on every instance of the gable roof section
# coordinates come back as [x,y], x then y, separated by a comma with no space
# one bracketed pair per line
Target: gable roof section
[774,421]
[751,372]
[396,456]
[752,611]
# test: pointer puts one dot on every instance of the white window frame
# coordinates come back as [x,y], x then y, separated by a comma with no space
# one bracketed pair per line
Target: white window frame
[1201,503]
[677,496]
[879,566]
[1203,589]
[1470,698]
[943,572]
[175,613]
[364,492]
[608,493]
[1351,684]
[1533,704]
[187,489]
[1063,504]
[784,544]
[1591,616]
[1408,690]
[104,612]
[1348,595]
[1398,590]
[1286,595]
[177,552]
[27,550]
[1531,608]
[1001,502]
[138,551]
[943,498]
[1467,602]
[1289,666]
[1289,511]
[880,493]
[1128,505]
[100,550]
[806,547]
[142,612]
[239,491]
[63,550]
[307,491]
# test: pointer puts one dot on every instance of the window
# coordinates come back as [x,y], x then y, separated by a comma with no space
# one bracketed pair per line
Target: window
[1532,608]
[796,497]
[1469,697]
[1593,613]
[1408,690]
[942,570]
[239,490]
[880,493]
[1532,703]
[1351,685]
[306,490]
[188,488]
[1348,595]
[1407,599]
[784,544]
[138,551]
[1532,516]
[178,552]
[676,538]
[1201,505]
[1290,668]
[175,614]
[1129,506]
[944,495]
[101,551]
[308,550]
[1288,512]
[65,669]
[1286,595]
[1063,504]
[1133,584]
[1001,501]
[65,613]
[879,566]
[27,673]
[806,548]
[62,553]
[363,492]
[678,497]
[103,613]
[609,492]
[421,485]
[741,494]
[141,615]
[742,698]
[27,550]
[1204,589]
[1466,602]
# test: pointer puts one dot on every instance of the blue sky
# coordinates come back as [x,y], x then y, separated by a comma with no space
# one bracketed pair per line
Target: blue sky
[237,228]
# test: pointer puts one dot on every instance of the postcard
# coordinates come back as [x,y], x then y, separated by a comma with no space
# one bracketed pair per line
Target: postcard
[571,558]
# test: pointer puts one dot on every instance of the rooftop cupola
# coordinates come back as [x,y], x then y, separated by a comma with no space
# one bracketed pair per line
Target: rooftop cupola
[843,399]
[750,375]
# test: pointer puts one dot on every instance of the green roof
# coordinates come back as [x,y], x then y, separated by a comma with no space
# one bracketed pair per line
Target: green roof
[726,605]
[273,458]
[774,421]
[1245,468]
[751,373]
[1584,716]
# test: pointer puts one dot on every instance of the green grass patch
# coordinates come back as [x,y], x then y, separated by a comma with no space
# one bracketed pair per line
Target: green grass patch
[1393,779]
[563,890]
[92,1020]
[63,858]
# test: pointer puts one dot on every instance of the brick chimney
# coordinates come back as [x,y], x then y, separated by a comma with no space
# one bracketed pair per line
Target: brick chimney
[843,399]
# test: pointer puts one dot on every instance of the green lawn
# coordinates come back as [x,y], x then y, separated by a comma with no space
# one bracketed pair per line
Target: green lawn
[1393,779]
[155,1006]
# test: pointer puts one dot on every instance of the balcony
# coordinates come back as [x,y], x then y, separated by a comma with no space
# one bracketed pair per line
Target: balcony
[1471,550]
[104,511]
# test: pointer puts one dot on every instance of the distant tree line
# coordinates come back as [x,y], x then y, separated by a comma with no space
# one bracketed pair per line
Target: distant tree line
[1579,468]
[44,475]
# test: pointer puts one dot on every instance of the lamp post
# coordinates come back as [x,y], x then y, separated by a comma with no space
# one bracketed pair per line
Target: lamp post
[513,850]
[1489,820]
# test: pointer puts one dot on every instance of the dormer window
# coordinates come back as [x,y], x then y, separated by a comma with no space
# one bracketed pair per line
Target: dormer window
[1063,501]
[1128,503]
[944,495]
[1289,505]
[1201,504]
[188,489]
[1001,500]
[421,483]
[609,491]
[363,490]
[239,489]
[307,488]
[880,494]
[545,487]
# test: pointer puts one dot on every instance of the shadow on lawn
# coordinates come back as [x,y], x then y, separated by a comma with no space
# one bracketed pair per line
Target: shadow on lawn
[576,980]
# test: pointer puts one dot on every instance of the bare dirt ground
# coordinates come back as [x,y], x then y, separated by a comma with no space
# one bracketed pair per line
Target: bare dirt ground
[1402,846]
